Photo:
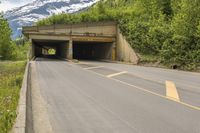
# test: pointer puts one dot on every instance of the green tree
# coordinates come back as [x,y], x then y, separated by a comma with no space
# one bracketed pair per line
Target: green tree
[182,48]
[6,46]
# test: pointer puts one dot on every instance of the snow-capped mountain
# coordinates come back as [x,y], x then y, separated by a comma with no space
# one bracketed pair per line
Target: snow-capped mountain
[39,9]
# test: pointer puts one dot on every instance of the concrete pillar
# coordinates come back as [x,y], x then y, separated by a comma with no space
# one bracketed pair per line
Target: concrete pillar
[32,51]
[114,51]
[70,50]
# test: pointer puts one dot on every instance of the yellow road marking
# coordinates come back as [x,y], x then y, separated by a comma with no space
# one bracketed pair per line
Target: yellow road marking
[116,74]
[154,80]
[153,93]
[171,91]
[156,94]
[89,68]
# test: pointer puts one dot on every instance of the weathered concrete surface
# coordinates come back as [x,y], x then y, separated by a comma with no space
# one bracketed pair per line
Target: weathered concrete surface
[125,52]
[96,33]
[104,29]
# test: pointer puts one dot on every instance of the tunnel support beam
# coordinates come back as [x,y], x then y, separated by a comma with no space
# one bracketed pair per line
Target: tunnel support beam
[113,56]
[70,50]
[32,49]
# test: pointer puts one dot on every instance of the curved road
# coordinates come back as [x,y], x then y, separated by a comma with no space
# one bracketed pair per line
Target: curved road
[99,97]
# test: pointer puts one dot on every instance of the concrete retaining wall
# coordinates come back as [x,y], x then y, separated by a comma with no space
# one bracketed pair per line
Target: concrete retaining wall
[125,52]
[20,124]
[29,114]
[24,120]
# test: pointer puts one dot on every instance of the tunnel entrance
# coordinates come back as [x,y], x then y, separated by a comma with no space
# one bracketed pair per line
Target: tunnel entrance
[50,49]
[70,49]
[92,50]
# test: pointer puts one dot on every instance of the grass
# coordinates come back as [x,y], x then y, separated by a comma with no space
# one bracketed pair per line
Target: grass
[148,59]
[152,60]
[11,76]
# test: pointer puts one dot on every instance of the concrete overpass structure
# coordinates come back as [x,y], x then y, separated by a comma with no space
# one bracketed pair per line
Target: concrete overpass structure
[81,41]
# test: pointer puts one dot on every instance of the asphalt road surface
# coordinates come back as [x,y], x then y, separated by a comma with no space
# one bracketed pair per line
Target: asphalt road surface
[99,97]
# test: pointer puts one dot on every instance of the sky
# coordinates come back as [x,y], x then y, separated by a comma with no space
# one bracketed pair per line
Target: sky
[6,5]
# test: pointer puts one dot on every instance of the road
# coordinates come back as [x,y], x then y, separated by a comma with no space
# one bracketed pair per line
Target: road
[99,97]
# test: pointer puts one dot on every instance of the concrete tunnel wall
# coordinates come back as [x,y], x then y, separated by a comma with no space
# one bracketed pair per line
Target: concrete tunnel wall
[36,50]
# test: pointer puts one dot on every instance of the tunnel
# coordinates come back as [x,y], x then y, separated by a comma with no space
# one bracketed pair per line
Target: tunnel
[81,50]
[41,48]
[92,50]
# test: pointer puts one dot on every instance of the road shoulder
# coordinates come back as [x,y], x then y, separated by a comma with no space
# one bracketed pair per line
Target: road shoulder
[41,122]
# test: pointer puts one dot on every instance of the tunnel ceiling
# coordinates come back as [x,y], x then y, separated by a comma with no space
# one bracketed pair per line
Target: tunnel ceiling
[49,43]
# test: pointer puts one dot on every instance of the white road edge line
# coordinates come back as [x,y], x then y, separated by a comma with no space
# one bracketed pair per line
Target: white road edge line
[89,68]
[116,74]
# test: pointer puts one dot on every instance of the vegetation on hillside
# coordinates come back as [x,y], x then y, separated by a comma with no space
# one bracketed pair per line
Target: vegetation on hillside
[167,30]
[11,75]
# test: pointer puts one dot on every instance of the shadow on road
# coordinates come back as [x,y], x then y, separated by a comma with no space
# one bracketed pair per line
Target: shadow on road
[49,58]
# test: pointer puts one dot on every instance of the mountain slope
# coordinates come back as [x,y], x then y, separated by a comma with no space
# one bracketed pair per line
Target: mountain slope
[40,9]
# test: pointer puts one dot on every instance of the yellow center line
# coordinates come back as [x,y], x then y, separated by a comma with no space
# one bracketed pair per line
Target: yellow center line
[116,74]
[171,91]
[153,93]
[89,68]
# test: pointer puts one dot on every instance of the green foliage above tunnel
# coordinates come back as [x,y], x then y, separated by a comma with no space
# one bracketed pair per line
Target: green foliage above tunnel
[166,29]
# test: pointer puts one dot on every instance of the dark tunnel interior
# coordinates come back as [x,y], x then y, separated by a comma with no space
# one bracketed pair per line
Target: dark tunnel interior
[91,50]
[41,48]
